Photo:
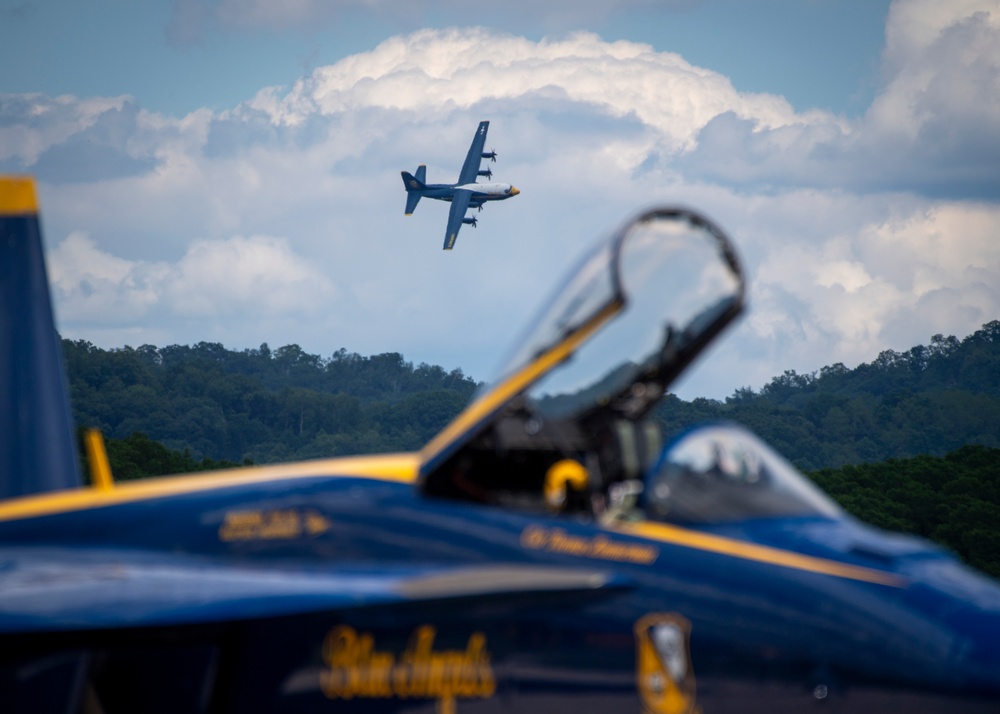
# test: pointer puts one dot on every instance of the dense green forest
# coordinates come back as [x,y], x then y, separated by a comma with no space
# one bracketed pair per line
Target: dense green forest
[928,400]
[261,405]
[953,500]
[264,405]
[137,456]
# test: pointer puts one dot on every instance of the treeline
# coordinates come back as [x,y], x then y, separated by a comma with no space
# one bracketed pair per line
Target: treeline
[953,500]
[261,405]
[137,456]
[928,400]
[264,405]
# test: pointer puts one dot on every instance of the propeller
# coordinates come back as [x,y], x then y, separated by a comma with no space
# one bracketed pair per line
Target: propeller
[470,221]
[491,155]
[487,173]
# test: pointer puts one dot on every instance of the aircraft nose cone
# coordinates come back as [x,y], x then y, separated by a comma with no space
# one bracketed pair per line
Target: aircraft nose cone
[514,191]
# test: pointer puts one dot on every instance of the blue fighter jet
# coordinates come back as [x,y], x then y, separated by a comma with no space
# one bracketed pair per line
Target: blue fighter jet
[548,551]
[462,195]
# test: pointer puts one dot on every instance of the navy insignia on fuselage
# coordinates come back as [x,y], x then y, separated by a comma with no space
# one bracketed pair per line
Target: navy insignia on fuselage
[664,673]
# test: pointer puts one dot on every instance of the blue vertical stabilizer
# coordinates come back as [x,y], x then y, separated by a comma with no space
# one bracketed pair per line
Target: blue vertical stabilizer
[37,448]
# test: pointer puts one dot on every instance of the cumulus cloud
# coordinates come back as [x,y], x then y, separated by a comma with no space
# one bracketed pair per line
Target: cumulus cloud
[444,70]
[93,286]
[31,124]
[891,281]
[934,127]
[859,234]
[941,103]
[259,276]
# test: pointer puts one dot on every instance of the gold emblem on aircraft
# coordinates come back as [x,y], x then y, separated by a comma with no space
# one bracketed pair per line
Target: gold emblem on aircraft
[356,669]
[664,675]
[558,540]
[273,524]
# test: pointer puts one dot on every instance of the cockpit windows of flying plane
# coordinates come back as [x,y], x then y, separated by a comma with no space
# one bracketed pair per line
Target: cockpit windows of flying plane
[723,473]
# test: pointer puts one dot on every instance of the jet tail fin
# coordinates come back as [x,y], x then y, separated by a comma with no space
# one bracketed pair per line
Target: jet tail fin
[413,185]
[37,446]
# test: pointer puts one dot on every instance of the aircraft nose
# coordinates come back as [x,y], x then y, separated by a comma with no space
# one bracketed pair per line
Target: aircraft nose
[968,608]
[514,191]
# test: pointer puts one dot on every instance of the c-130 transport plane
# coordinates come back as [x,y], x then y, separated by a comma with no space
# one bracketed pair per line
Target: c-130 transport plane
[546,552]
[462,195]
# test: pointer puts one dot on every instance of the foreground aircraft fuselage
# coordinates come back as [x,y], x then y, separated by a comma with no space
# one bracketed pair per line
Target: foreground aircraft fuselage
[354,593]
[464,194]
[544,553]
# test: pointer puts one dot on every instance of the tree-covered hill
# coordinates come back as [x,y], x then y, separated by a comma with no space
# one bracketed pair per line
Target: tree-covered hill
[269,405]
[137,456]
[260,404]
[953,500]
[928,400]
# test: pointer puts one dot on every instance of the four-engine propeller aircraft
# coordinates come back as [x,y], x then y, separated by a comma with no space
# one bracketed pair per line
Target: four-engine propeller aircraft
[462,195]
[545,552]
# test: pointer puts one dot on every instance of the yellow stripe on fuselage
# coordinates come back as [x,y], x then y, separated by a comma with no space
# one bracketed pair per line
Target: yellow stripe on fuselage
[400,468]
[675,535]
[390,467]
[17,196]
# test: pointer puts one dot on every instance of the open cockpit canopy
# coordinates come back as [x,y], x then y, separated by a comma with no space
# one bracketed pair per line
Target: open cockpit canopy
[647,303]
[636,311]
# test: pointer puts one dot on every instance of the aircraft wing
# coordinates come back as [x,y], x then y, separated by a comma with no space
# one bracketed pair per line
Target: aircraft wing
[470,169]
[59,589]
[459,205]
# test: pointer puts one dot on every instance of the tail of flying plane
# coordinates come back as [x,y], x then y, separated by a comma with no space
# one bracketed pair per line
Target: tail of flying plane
[37,447]
[413,185]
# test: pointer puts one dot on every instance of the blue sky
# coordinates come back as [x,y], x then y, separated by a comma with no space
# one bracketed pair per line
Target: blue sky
[816,53]
[228,171]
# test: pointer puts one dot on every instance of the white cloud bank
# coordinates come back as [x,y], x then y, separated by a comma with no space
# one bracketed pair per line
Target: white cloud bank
[860,235]
[259,277]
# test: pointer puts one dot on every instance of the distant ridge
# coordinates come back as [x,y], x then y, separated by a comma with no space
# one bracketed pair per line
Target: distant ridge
[261,404]
[928,400]
[265,405]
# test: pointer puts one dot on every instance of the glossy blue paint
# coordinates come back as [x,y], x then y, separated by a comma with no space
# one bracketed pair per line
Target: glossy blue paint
[35,426]
[940,628]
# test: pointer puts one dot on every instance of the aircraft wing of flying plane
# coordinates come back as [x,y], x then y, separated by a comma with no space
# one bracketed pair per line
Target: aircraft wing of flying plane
[548,551]
[465,193]
[470,168]
[456,215]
